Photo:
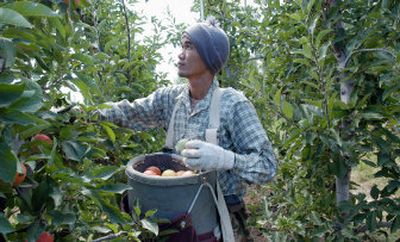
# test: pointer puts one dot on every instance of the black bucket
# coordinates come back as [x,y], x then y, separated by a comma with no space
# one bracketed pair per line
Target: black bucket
[172,196]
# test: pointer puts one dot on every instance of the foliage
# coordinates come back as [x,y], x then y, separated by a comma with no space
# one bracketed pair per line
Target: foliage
[73,187]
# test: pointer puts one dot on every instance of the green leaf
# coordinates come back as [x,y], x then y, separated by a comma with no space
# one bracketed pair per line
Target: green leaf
[112,211]
[85,59]
[9,93]
[10,17]
[372,116]
[277,97]
[100,229]
[7,52]
[322,53]
[17,117]
[303,61]
[320,36]
[287,109]
[306,51]
[392,90]
[74,150]
[32,9]
[374,192]
[395,224]
[340,168]
[25,219]
[8,161]
[311,28]
[150,213]
[60,218]
[295,16]
[368,162]
[371,221]
[115,188]
[31,99]
[151,226]
[102,172]
[57,196]
[5,226]
[58,25]
[109,132]
[391,188]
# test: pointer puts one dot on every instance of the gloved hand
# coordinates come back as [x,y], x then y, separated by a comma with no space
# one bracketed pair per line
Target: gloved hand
[201,155]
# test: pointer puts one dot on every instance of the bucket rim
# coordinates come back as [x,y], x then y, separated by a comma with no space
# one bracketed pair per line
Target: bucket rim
[164,180]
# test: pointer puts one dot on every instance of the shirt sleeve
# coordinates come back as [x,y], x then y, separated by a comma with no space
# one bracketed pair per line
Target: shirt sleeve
[254,157]
[144,113]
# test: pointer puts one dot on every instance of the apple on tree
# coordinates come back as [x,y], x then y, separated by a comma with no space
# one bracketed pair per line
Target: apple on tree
[45,237]
[20,177]
[43,137]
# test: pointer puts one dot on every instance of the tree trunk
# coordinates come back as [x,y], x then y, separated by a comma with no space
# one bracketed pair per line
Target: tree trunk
[346,88]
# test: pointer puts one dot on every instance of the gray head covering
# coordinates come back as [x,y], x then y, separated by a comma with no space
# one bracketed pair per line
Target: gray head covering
[211,43]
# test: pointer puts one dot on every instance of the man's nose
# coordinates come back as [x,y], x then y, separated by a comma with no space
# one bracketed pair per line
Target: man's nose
[181,55]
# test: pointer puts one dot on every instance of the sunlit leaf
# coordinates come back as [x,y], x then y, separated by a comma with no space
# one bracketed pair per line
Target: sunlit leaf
[32,9]
[151,226]
[5,226]
[8,16]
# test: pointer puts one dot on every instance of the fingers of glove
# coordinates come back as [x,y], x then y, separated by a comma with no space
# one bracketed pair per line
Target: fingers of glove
[191,153]
[194,144]
[194,163]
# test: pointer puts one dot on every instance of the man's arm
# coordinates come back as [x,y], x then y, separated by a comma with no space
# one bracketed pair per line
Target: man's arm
[254,157]
[149,112]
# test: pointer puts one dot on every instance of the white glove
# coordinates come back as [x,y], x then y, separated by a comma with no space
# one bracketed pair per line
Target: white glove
[201,155]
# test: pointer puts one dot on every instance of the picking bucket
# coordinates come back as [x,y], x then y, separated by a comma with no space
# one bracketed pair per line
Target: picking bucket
[172,196]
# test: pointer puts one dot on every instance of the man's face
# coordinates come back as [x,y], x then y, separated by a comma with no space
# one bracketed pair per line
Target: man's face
[190,64]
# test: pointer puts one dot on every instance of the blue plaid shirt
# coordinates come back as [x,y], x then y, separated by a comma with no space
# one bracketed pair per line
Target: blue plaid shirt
[240,129]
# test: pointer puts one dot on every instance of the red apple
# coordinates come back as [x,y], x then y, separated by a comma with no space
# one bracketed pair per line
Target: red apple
[20,177]
[150,173]
[44,138]
[45,237]
[155,169]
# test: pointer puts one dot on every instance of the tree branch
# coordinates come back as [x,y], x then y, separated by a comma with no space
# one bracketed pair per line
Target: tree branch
[110,236]
[128,30]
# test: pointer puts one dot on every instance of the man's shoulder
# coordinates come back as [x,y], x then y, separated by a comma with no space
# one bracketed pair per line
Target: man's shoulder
[174,90]
[232,95]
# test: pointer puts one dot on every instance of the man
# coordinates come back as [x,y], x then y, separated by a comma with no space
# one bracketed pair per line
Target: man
[243,153]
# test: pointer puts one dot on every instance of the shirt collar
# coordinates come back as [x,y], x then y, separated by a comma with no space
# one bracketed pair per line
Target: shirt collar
[202,104]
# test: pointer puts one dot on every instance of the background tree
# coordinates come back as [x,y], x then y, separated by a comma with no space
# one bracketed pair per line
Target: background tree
[293,60]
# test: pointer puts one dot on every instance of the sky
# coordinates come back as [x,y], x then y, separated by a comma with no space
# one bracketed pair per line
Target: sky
[180,10]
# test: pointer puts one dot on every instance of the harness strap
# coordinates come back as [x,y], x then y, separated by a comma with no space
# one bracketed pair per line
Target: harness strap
[214,117]
[226,225]
[211,136]
[169,141]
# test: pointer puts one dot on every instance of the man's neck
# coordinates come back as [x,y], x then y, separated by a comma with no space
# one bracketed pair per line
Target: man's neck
[199,86]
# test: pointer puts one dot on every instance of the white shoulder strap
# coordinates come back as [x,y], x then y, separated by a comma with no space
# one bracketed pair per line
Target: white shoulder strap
[169,141]
[214,116]
[212,137]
